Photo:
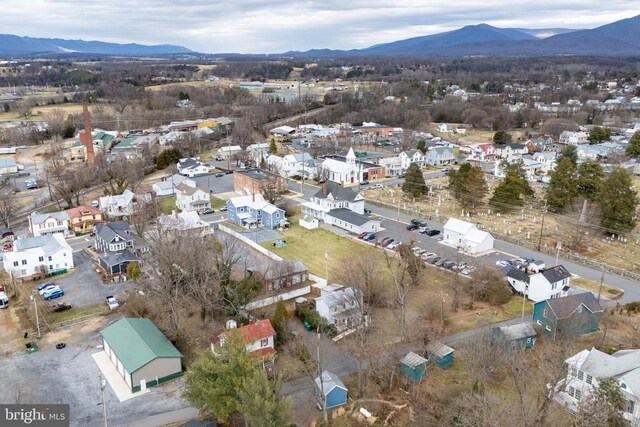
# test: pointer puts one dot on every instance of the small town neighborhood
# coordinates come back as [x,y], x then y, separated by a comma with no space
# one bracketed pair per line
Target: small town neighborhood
[325,246]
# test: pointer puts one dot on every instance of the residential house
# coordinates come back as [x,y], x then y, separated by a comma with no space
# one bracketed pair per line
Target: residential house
[584,370]
[38,257]
[539,142]
[189,197]
[141,354]
[442,127]
[348,170]
[532,169]
[553,282]
[353,222]
[302,164]
[511,151]
[548,159]
[341,307]
[515,337]
[440,354]
[253,181]
[192,167]
[330,392]
[275,164]
[48,223]
[170,137]
[227,152]
[413,366]
[258,152]
[411,156]
[574,138]
[167,186]
[8,166]
[252,210]
[123,205]
[567,316]
[333,196]
[185,221]
[466,237]
[392,166]
[117,247]
[259,339]
[483,152]
[440,156]
[278,274]
[83,219]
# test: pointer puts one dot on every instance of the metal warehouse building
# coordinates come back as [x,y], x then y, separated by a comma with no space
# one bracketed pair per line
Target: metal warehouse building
[141,353]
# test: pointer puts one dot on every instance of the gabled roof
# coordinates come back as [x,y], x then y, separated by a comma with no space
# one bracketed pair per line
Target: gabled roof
[38,218]
[519,275]
[110,230]
[413,360]
[459,226]
[252,332]
[556,274]
[136,342]
[339,296]
[116,258]
[81,211]
[564,307]
[329,382]
[439,349]
[349,216]
[188,189]
[48,244]
[337,191]
[518,331]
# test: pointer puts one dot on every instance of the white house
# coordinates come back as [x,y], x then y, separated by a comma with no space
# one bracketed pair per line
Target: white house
[123,204]
[483,152]
[440,156]
[411,156]
[548,159]
[352,222]
[466,237]
[227,152]
[301,164]
[511,151]
[586,367]
[551,283]
[36,256]
[333,196]
[340,307]
[192,167]
[167,186]
[187,220]
[442,127]
[48,223]
[191,198]
[258,337]
[339,171]
[258,152]
[392,165]
[574,138]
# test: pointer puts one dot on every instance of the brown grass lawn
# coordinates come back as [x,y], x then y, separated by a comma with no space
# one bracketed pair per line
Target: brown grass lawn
[166,204]
[38,112]
[594,286]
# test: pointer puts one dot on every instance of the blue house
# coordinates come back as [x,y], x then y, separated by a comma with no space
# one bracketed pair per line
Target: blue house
[252,210]
[330,391]
[515,337]
[439,354]
[568,316]
[413,366]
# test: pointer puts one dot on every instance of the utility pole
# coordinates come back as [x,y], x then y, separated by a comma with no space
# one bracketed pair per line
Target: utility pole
[601,281]
[35,305]
[541,230]
[103,384]
[558,253]
[524,299]
[324,398]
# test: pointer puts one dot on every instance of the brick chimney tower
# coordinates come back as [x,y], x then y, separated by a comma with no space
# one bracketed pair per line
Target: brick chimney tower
[91,158]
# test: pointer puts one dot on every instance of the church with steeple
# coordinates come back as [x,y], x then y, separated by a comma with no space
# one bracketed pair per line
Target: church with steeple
[348,170]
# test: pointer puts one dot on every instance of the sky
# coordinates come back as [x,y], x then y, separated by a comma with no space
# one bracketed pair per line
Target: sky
[273,26]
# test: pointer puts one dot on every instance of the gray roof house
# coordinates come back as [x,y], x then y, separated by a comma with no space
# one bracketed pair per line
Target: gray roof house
[48,223]
[117,246]
[352,222]
[440,156]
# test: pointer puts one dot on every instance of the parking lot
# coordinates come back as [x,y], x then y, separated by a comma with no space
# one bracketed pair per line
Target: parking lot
[84,287]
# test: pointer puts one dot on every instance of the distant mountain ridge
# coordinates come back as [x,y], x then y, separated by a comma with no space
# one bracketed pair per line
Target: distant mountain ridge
[16,45]
[620,38]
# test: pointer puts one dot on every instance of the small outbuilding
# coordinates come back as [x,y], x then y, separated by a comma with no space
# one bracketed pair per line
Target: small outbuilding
[143,356]
[330,391]
[440,354]
[413,366]
[519,336]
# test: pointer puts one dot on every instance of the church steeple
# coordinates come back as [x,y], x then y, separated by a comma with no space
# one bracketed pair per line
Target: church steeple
[351,157]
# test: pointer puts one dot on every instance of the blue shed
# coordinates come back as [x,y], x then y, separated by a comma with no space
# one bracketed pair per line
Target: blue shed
[518,336]
[440,354]
[413,366]
[335,393]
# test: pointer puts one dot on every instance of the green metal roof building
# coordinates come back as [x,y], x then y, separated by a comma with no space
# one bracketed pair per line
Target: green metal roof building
[141,353]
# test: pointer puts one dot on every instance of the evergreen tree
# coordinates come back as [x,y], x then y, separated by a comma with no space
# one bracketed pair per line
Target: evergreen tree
[598,134]
[168,157]
[414,184]
[513,187]
[212,382]
[279,321]
[501,137]
[618,201]
[422,146]
[458,180]
[133,271]
[273,148]
[633,149]
[569,151]
[260,403]
[468,185]
[590,176]
[563,187]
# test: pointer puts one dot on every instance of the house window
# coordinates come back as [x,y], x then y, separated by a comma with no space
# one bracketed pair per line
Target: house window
[24,262]
[41,259]
[264,342]
[544,313]
[578,394]
[630,406]
[50,258]
[580,375]
[50,267]
[589,379]
[574,371]
[15,263]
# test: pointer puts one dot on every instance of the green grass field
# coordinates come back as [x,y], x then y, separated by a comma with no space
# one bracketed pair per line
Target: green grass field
[167,204]
[217,203]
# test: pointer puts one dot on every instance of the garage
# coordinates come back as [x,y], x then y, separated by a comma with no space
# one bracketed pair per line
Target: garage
[142,355]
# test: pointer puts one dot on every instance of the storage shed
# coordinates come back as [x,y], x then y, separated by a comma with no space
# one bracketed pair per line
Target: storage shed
[335,393]
[440,354]
[517,336]
[141,353]
[413,366]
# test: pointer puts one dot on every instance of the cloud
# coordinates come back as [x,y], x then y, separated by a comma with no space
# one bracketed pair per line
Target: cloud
[270,26]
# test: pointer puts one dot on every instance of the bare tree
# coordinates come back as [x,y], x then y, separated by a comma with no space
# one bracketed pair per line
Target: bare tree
[8,205]
[242,133]
[120,174]
[142,213]
[55,120]
[271,190]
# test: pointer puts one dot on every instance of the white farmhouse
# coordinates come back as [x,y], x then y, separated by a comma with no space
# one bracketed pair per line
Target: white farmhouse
[333,196]
[341,307]
[124,204]
[36,256]
[573,138]
[191,198]
[466,237]
[550,283]
[48,223]
[411,156]
[167,186]
[258,337]
[192,167]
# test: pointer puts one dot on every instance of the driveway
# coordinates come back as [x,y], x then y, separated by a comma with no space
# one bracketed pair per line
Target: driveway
[84,287]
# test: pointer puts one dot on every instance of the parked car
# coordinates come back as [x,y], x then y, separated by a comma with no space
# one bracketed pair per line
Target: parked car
[394,245]
[112,302]
[44,285]
[229,172]
[369,237]
[500,264]
[31,184]
[433,260]
[445,171]
[95,203]
[219,175]
[208,211]
[468,270]
[427,255]
[49,287]
[223,209]
[53,293]
[441,261]
[376,186]
[431,232]
[361,235]
[388,242]
[385,240]
[412,227]
[61,306]
[365,182]
[449,265]
[4,300]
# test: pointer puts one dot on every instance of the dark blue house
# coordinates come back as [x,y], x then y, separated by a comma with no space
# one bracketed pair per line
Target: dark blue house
[568,316]
[439,354]
[251,210]
[515,337]
[330,391]
[413,366]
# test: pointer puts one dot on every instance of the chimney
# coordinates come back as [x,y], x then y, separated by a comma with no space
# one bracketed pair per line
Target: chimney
[88,138]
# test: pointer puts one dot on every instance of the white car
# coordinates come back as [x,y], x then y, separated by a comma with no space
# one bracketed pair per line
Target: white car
[48,288]
[394,246]
[502,264]
[112,302]
[374,186]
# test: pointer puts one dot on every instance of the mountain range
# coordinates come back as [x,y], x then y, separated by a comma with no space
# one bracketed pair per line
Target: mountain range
[620,38]
[11,45]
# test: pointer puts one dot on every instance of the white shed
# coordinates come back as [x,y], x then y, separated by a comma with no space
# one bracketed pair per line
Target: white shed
[467,237]
[308,222]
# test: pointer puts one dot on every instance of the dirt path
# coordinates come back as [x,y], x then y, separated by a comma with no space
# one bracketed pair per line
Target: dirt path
[10,334]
